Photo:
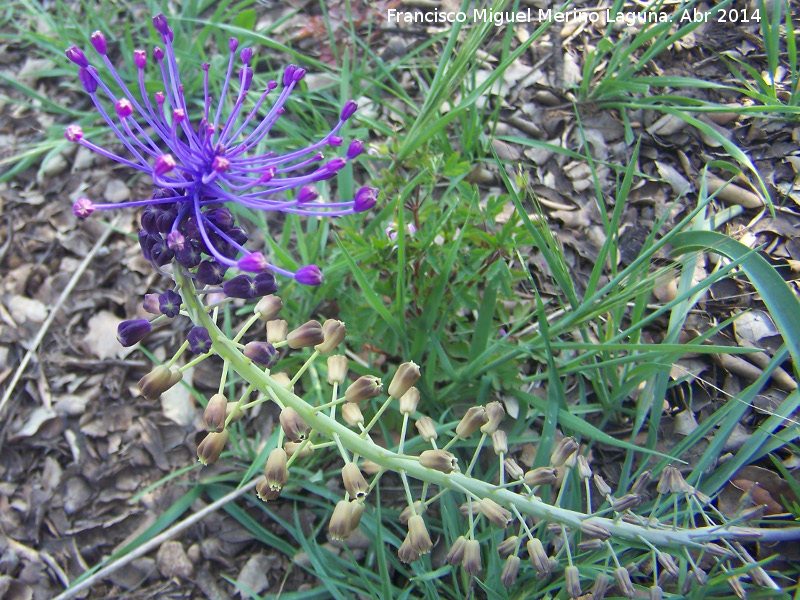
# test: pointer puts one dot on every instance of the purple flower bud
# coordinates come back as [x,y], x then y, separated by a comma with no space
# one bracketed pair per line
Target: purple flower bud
[307,194]
[160,23]
[150,304]
[169,303]
[253,263]
[265,284]
[144,243]
[176,241]
[158,54]
[348,110]
[221,217]
[189,256]
[210,273]
[309,275]
[241,286]
[298,75]
[246,78]
[140,59]
[73,133]
[178,115]
[87,80]
[77,56]
[99,42]
[82,208]
[261,353]
[271,85]
[160,253]
[356,148]
[124,108]
[233,44]
[267,175]
[238,235]
[335,141]
[163,164]
[220,164]
[247,55]
[133,331]
[199,340]
[366,198]
[288,75]
[160,98]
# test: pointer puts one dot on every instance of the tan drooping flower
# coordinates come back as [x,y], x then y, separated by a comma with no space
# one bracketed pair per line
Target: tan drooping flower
[276,471]
[211,447]
[215,412]
[440,460]
[337,369]
[409,401]
[495,412]
[354,481]
[456,553]
[308,334]
[471,563]
[495,513]
[341,524]
[334,333]
[364,388]
[418,535]
[158,381]
[510,570]
[426,428]
[268,307]
[277,329]
[407,375]
[293,425]
[563,450]
[475,418]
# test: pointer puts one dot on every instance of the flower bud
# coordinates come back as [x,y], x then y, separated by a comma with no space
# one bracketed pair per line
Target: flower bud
[364,388]
[409,401]
[668,564]
[406,552]
[456,553]
[275,471]
[309,275]
[268,307]
[370,468]
[601,484]
[624,582]
[158,381]
[407,512]
[469,507]
[199,340]
[333,332]
[354,481]
[640,485]
[591,545]
[308,334]
[418,535]
[672,481]
[495,412]
[337,369]
[563,450]
[584,470]
[293,425]
[211,447]
[282,379]
[215,413]
[407,375]
[340,525]
[508,546]
[656,593]
[357,509]
[426,428]
[626,502]
[264,492]
[351,414]
[600,586]
[572,581]
[261,353]
[512,469]
[495,513]
[595,530]
[500,442]
[292,448]
[132,331]
[470,422]
[510,570]
[83,207]
[540,476]
[471,563]
[277,330]
[439,460]
[538,556]
[233,413]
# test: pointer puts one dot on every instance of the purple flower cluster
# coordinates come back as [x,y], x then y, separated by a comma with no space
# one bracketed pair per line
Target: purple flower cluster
[199,167]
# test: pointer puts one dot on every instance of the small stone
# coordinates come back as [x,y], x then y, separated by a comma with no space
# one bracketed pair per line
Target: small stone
[116,191]
[54,165]
[84,158]
[172,560]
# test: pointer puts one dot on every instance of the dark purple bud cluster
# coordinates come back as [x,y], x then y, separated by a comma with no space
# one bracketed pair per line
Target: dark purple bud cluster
[198,167]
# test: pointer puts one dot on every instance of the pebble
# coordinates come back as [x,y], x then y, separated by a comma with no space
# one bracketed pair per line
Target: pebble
[172,560]
[116,191]
[84,158]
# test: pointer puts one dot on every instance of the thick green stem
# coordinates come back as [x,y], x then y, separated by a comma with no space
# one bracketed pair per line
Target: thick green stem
[391,461]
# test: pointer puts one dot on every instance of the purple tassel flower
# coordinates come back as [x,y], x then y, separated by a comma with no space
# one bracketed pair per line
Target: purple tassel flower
[198,167]
[133,331]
